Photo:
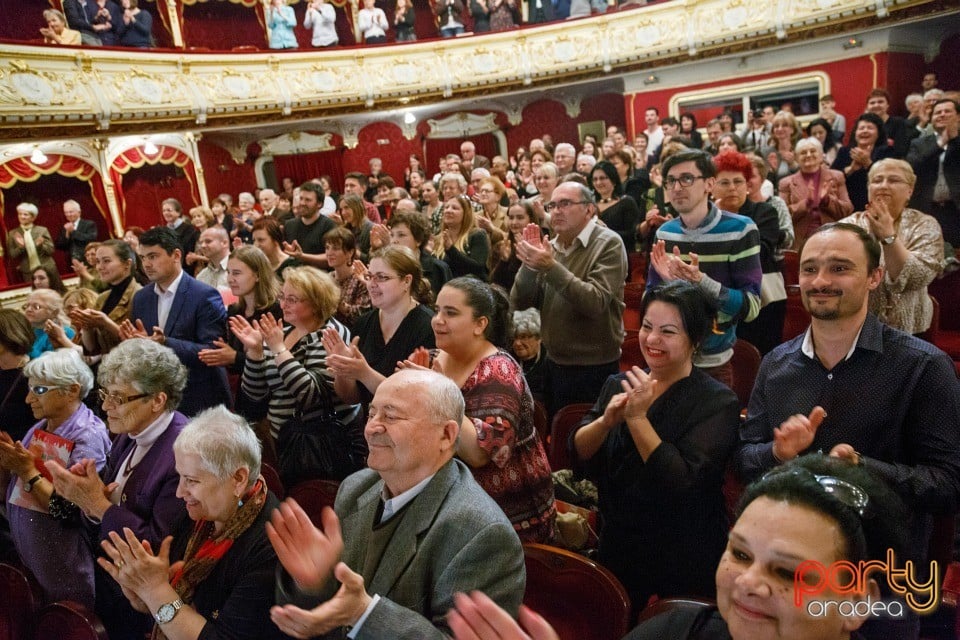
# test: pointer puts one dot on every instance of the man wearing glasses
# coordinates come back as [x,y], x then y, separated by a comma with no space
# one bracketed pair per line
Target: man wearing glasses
[717,250]
[576,280]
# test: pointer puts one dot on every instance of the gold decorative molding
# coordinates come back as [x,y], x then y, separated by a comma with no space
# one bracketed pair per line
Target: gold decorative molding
[47,92]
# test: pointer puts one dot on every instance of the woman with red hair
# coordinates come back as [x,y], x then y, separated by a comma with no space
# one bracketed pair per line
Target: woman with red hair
[734,171]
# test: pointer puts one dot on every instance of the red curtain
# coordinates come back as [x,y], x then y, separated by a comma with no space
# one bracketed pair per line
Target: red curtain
[307,166]
[136,157]
[48,185]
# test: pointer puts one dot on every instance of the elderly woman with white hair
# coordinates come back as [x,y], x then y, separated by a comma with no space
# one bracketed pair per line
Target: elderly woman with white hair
[137,489]
[44,310]
[816,194]
[29,243]
[214,578]
[911,243]
[527,347]
[52,543]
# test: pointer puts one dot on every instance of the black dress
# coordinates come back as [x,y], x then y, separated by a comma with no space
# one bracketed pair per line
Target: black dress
[16,417]
[414,331]
[665,525]
[623,218]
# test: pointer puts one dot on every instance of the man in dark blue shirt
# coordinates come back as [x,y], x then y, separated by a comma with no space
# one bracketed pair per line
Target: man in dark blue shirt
[857,388]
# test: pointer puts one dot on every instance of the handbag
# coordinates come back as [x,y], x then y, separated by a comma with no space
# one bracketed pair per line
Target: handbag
[327,447]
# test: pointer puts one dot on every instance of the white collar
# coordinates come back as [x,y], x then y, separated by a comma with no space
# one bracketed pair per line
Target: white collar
[394,504]
[583,236]
[808,349]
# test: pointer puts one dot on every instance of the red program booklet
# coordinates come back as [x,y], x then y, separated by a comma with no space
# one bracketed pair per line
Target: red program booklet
[44,446]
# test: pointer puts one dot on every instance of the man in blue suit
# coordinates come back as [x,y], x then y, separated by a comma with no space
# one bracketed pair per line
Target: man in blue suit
[181,313]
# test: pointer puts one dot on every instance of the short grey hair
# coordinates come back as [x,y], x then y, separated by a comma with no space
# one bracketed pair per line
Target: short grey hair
[526,322]
[589,158]
[456,177]
[61,368]
[564,146]
[148,367]
[223,441]
[29,207]
[933,94]
[246,196]
[52,301]
[809,142]
[913,97]
[586,194]
[479,173]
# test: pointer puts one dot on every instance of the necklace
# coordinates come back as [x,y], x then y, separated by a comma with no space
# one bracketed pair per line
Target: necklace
[607,200]
[128,467]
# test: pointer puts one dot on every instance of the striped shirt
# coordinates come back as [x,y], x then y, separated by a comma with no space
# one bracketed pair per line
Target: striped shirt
[728,246]
[302,386]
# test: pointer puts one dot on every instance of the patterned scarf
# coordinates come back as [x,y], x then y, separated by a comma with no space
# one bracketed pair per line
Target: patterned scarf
[204,550]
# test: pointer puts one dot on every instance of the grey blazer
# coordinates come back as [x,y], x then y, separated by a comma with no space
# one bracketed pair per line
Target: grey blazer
[452,538]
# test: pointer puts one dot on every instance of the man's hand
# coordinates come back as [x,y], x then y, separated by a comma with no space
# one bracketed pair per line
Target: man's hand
[130,330]
[538,258]
[796,434]
[477,617]
[671,267]
[343,609]
[307,553]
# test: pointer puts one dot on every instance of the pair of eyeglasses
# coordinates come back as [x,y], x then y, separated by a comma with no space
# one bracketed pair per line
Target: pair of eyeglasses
[291,300]
[40,389]
[562,204]
[380,278]
[118,400]
[32,306]
[684,180]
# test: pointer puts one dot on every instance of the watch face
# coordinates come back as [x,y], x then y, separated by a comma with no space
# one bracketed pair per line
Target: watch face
[165,613]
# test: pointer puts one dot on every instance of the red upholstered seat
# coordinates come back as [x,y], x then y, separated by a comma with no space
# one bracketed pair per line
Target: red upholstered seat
[19,598]
[946,291]
[66,620]
[673,604]
[541,421]
[563,423]
[630,353]
[581,599]
[314,495]
[797,319]
[632,295]
[273,480]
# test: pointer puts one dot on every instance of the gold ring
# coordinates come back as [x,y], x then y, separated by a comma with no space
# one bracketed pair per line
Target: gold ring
[119,564]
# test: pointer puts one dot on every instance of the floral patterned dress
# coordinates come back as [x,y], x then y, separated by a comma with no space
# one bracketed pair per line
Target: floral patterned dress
[499,402]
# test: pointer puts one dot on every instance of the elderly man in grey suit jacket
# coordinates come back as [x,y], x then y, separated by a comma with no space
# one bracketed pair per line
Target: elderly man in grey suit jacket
[406,534]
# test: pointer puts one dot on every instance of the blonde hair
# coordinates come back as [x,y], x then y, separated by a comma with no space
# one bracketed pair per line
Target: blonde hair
[467,224]
[317,287]
[894,163]
[267,289]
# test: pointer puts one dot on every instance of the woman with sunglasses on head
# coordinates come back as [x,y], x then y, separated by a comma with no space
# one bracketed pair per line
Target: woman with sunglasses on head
[52,544]
[138,486]
[462,244]
[816,509]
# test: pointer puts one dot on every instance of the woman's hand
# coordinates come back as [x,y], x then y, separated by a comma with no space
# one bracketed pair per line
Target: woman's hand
[447,238]
[880,219]
[57,334]
[379,236]
[82,486]
[613,413]
[133,564]
[249,336]
[15,458]
[272,331]
[639,388]
[223,356]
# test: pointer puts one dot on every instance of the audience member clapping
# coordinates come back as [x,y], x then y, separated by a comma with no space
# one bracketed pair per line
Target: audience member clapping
[912,247]
[51,540]
[656,442]
[286,370]
[214,577]
[141,384]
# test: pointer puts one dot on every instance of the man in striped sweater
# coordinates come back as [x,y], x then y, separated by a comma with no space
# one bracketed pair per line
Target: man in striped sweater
[715,249]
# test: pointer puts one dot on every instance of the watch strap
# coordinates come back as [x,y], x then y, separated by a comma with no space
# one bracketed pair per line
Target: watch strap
[175,605]
[28,485]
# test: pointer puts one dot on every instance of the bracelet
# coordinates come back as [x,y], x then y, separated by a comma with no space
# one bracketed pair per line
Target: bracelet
[281,352]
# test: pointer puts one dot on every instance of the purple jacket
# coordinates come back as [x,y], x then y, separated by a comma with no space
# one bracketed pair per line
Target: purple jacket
[57,553]
[149,504]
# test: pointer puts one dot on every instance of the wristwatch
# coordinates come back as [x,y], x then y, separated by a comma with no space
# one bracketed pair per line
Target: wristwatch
[168,611]
[888,240]
[28,485]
